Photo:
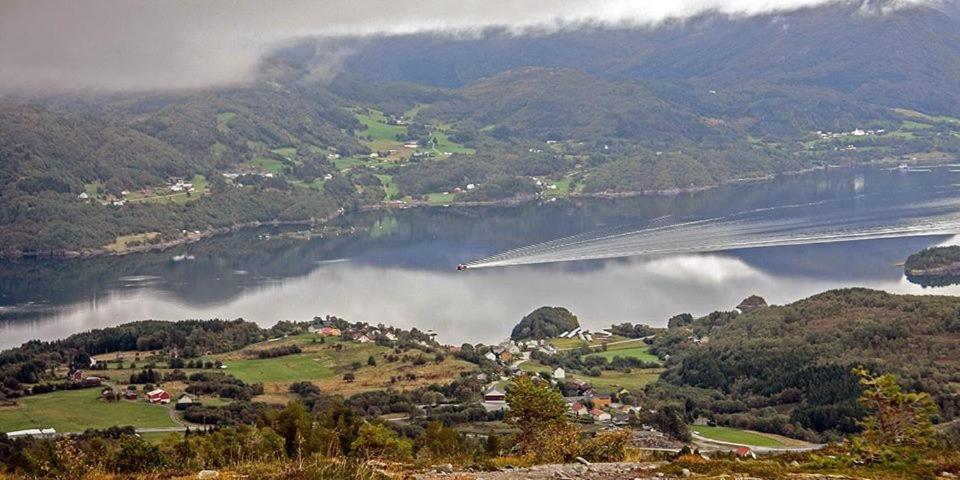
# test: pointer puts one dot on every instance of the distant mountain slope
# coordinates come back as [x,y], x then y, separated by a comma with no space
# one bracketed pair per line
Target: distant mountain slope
[545,104]
[908,56]
[41,150]
[140,141]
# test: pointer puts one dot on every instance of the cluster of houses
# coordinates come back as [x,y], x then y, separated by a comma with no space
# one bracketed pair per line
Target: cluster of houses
[857,132]
[548,186]
[584,334]
[508,352]
[589,406]
[121,200]
[468,187]
[182,186]
[601,409]
[110,199]
[365,334]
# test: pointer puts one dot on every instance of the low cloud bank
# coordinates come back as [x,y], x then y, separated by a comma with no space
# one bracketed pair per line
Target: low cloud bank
[53,46]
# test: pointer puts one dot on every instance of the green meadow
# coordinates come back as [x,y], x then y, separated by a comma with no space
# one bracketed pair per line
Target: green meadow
[78,410]
[733,435]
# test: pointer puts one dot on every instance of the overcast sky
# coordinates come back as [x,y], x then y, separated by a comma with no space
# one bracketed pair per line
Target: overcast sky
[53,46]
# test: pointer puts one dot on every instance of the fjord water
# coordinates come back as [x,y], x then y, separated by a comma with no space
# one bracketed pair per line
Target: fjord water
[398,266]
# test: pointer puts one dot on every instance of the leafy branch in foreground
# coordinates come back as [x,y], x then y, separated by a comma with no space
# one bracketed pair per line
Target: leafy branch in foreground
[899,426]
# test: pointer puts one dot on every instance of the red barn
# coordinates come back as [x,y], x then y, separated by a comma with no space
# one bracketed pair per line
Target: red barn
[158,396]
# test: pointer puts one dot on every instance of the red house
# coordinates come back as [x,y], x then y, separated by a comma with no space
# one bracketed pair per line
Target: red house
[158,396]
[744,452]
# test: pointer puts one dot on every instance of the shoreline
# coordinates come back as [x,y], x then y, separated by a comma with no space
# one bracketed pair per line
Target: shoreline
[397,205]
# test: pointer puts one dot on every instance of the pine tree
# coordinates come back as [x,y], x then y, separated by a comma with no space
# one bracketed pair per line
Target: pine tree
[899,425]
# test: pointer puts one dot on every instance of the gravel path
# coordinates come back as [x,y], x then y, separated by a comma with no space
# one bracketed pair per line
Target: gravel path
[598,471]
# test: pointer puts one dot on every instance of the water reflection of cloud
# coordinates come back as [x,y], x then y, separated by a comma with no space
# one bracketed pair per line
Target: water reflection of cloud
[481,305]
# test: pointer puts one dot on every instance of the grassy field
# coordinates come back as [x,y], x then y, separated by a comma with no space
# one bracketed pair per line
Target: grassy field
[911,125]
[611,381]
[199,186]
[642,353]
[348,162]
[923,116]
[389,185]
[563,188]
[317,362]
[608,381]
[378,377]
[444,144]
[567,343]
[223,121]
[124,241]
[268,165]
[290,368]
[77,410]
[92,189]
[289,153]
[378,135]
[440,198]
[733,435]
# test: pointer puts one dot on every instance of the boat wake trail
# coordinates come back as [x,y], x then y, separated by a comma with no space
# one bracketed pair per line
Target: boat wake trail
[862,217]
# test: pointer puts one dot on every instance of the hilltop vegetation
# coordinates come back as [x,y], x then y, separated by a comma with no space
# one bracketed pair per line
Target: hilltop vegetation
[934,261]
[545,322]
[788,369]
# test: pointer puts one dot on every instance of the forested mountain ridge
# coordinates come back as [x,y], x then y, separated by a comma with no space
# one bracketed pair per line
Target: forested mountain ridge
[893,55]
[787,369]
[418,119]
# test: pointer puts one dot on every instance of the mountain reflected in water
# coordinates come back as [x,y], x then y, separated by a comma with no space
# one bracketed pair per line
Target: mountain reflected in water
[398,268]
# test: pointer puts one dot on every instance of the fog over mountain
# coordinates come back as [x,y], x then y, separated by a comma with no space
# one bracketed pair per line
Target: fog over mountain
[47,46]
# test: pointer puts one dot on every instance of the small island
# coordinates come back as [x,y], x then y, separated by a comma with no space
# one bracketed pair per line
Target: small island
[543,323]
[935,266]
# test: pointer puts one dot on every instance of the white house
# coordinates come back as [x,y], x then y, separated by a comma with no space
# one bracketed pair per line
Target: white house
[490,356]
[559,374]
[599,415]
[495,394]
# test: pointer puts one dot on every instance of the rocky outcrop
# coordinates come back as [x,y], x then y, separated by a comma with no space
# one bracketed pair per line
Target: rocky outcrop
[751,303]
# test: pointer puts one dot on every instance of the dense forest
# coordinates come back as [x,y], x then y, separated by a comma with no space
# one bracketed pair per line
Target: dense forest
[933,260]
[789,369]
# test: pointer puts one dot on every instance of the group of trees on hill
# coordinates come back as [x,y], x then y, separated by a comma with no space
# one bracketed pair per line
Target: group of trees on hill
[789,369]
[543,323]
[26,369]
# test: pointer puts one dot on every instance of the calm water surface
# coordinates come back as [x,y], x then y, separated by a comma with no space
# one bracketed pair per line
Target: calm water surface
[399,268]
